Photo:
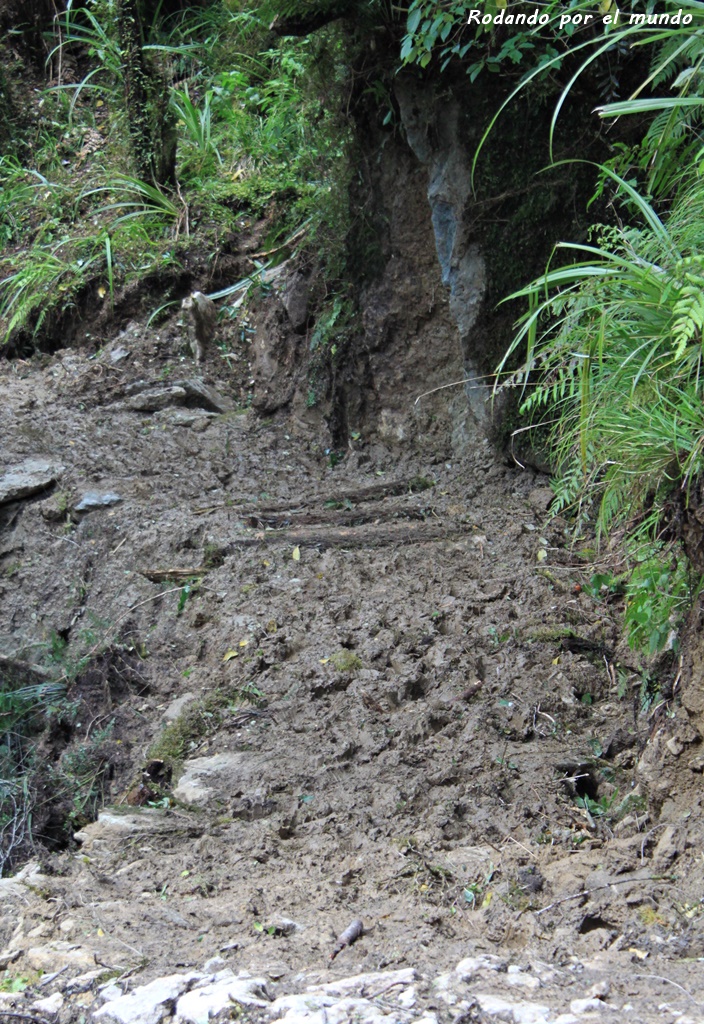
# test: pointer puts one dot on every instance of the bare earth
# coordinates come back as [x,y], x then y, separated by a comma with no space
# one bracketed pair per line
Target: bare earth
[398,703]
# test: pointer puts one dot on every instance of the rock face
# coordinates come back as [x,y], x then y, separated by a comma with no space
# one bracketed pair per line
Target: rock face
[207,778]
[112,824]
[462,266]
[28,478]
[295,299]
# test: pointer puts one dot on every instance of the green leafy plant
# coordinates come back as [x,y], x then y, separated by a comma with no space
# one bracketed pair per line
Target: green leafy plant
[333,326]
[81,27]
[24,708]
[135,198]
[613,349]
[597,808]
[14,983]
[197,121]
[678,48]
[47,277]
[613,360]
[658,596]
[187,591]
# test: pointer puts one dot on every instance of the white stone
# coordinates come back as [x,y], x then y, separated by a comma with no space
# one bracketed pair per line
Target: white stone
[85,981]
[566,1018]
[466,862]
[443,982]
[178,706]
[91,500]
[108,993]
[472,965]
[299,1006]
[443,986]
[148,1004]
[359,1010]
[157,398]
[371,985]
[8,956]
[60,954]
[407,998]
[17,885]
[284,925]
[200,1004]
[113,826]
[318,1007]
[674,746]
[52,1004]
[227,972]
[600,990]
[306,1017]
[531,1013]
[521,1013]
[522,979]
[586,1005]
[206,777]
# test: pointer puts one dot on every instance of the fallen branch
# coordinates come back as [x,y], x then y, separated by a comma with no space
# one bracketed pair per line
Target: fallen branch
[280,520]
[348,937]
[368,536]
[588,892]
[173,575]
[659,977]
[23,1016]
[410,485]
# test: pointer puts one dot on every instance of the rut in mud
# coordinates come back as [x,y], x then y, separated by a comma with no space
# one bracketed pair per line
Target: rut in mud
[385,692]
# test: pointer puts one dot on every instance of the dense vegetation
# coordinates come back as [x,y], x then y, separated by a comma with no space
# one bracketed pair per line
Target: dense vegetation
[609,350]
[155,129]
[137,139]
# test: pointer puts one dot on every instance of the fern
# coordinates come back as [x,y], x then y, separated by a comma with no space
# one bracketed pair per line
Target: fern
[688,313]
[614,365]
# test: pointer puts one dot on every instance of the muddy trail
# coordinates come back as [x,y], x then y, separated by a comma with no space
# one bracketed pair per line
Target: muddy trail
[386,694]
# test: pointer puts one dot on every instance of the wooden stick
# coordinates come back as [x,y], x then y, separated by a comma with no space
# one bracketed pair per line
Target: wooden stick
[588,892]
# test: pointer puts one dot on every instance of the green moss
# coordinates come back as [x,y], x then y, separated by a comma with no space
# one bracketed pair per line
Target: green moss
[198,720]
[420,483]
[346,661]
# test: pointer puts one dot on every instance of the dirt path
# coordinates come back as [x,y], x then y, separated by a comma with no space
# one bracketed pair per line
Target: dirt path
[391,695]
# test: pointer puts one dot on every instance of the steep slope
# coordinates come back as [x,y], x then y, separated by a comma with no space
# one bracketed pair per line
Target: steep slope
[384,694]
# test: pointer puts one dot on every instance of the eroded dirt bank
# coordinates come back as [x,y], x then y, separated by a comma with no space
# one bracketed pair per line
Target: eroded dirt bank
[381,702]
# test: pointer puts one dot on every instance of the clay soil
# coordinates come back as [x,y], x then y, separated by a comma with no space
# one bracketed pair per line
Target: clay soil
[397,701]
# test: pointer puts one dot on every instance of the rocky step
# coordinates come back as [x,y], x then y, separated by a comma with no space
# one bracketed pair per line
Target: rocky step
[483,988]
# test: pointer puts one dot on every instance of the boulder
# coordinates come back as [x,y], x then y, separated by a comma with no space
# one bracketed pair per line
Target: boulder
[206,1001]
[148,1004]
[28,478]
[207,778]
[60,954]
